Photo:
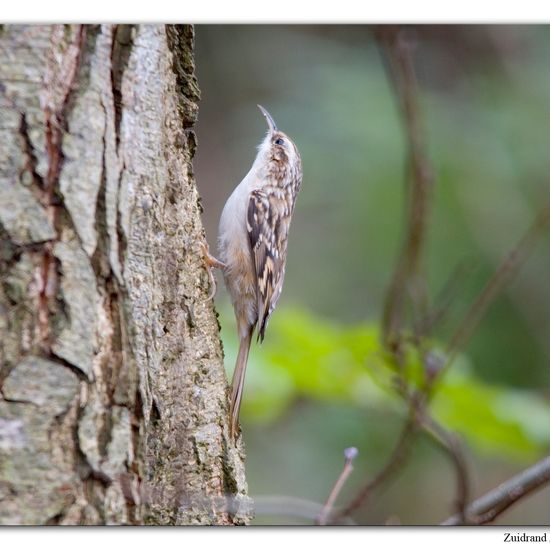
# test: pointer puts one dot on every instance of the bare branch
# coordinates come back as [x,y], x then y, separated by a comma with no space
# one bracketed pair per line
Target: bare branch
[396,459]
[507,269]
[408,288]
[450,444]
[444,300]
[406,278]
[349,454]
[488,507]
[290,507]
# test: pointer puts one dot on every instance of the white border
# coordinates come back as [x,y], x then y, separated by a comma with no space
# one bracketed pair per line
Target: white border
[277,11]
[253,538]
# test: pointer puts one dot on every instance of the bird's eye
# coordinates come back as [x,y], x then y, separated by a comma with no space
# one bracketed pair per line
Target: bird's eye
[279,141]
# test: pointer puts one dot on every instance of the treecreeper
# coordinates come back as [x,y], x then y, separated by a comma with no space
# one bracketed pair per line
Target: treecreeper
[252,241]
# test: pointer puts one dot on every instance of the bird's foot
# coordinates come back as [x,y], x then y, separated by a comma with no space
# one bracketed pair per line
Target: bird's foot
[211,261]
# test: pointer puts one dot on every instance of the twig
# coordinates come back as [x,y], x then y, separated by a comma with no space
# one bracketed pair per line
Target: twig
[488,507]
[444,300]
[349,454]
[405,278]
[407,285]
[450,444]
[289,507]
[494,286]
[394,462]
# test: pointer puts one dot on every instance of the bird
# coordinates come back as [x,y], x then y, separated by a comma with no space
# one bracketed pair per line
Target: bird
[252,243]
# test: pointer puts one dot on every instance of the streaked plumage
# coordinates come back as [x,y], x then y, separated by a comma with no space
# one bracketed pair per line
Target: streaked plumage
[253,237]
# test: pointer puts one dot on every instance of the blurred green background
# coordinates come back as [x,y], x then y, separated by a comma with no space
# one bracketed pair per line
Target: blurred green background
[319,384]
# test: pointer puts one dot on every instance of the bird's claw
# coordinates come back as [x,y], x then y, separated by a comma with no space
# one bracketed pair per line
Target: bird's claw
[211,261]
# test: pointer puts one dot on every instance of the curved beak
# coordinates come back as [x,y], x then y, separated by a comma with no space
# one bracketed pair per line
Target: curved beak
[269,118]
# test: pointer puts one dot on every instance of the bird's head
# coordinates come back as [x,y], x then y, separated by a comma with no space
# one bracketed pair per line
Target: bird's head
[277,147]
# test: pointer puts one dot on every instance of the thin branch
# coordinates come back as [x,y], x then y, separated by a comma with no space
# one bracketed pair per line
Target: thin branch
[407,285]
[490,506]
[444,300]
[406,278]
[450,444]
[290,507]
[349,455]
[396,459]
[507,269]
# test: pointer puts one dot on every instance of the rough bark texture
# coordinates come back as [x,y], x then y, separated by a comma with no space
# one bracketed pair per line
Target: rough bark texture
[113,404]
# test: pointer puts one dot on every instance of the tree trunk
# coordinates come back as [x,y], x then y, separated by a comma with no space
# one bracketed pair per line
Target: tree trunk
[113,401]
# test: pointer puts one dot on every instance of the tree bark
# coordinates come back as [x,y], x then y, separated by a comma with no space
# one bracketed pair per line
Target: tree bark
[113,406]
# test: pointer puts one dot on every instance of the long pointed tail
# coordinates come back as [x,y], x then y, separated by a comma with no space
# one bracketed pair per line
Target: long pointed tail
[238,383]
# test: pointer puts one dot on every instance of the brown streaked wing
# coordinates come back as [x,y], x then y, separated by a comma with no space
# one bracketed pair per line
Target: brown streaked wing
[268,221]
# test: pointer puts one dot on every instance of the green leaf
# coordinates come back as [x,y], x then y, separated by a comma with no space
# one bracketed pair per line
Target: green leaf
[493,419]
[307,357]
